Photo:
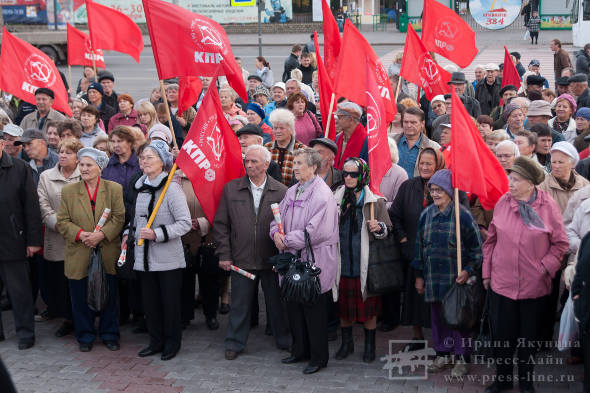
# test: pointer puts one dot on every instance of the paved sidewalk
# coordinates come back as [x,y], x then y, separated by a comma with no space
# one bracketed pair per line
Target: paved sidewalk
[56,365]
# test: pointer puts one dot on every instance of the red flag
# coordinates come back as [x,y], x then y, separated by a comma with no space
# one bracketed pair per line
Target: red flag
[189,89]
[326,91]
[80,49]
[113,30]
[185,43]
[332,40]
[379,155]
[445,33]
[419,68]
[475,168]
[510,75]
[25,69]
[351,72]
[210,155]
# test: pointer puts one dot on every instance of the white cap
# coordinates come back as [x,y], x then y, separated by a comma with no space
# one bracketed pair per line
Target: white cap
[13,129]
[439,97]
[491,67]
[279,84]
[567,149]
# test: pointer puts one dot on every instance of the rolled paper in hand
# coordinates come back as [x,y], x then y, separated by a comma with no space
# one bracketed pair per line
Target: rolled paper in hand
[103,219]
[123,256]
[243,272]
[277,213]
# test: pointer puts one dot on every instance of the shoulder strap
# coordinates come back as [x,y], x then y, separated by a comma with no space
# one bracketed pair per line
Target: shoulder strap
[308,247]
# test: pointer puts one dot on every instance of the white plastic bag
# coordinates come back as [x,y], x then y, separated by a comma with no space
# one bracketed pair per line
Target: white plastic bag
[527,35]
[568,327]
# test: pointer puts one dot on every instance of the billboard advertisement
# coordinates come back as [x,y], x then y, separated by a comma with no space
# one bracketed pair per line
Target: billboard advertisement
[495,14]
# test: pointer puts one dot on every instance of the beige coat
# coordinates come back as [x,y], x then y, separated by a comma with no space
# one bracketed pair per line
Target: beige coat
[75,214]
[559,195]
[381,215]
[50,184]
[30,120]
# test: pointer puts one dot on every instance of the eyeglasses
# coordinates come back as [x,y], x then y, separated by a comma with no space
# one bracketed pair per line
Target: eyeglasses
[354,175]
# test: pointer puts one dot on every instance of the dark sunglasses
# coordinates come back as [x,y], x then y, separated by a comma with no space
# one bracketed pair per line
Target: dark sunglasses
[354,175]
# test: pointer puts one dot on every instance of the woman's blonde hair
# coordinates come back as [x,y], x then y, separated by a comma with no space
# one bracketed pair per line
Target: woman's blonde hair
[148,107]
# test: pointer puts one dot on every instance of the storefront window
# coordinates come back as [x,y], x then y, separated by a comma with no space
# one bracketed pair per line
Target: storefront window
[301,6]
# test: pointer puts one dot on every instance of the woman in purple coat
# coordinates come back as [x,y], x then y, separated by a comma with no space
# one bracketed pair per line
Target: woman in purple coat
[310,205]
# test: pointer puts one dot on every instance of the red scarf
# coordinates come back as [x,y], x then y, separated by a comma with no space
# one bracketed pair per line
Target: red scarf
[353,147]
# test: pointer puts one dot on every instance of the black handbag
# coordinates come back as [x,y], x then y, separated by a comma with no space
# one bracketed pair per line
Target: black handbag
[463,303]
[385,272]
[301,282]
[125,269]
[483,345]
[98,288]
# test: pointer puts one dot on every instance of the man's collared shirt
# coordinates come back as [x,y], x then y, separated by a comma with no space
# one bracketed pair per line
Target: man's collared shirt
[257,193]
[408,156]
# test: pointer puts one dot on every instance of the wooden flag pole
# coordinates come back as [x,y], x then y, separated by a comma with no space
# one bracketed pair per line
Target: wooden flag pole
[160,199]
[70,79]
[330,114]
[94,67]
[458,230]
[397,89]
[165,100]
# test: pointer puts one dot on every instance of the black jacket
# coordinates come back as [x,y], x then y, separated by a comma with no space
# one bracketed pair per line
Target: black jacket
[291,63]
[274,171]
[20,215]
[307,73]
[584,99]
[583,168]
[582,62]
[405,211]
[581,283]
[488,100]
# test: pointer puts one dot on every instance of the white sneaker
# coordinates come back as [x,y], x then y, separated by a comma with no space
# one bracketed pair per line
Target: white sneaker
[460,369]
[438,364]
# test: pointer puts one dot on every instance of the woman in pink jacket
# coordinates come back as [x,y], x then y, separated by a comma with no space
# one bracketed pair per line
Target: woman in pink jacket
[309,205]
[526,242]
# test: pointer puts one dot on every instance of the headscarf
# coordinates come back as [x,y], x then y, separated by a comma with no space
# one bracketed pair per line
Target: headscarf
[439,163]
[349,202]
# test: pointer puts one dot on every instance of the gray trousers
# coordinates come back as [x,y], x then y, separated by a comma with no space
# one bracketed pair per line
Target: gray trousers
[242,290]
[15,277]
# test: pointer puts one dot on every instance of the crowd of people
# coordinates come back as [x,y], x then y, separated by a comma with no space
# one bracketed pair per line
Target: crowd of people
[59,174]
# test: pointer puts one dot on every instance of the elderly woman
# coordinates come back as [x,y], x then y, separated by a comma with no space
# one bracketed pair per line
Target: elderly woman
[525,245]
[77,105]
[89,118]
[69,129]
[160,259]
[256,116]
[185,118]
[495,137]
[147,115]
[82,205]
[356,225]
[563,122]
[284,146]
[227,97]
[123,164]
[309,206]
[514,117]
[306,124]
[435,262]
[51,183]
[127,116]
[582,129]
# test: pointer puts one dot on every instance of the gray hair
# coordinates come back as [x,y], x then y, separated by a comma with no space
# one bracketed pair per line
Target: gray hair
[393,151]
[510,144]
[523,102]
[312,157]
[294,80]
[229,90]
[296,74]
[262,150]
[172,86]
[283,116]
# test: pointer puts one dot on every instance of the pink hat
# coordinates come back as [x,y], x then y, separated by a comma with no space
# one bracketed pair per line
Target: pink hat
[570,99]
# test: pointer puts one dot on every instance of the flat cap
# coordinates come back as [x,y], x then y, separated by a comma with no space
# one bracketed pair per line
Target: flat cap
[30,134]
[535,80]
[46,91]
[105,75]
[579,78]
[330,144]
[252,129]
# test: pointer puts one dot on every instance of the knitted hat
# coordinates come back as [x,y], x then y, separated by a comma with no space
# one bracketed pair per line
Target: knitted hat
[98,156]
[261,90]
[102,75]
[509,109]
[97,87]
[569,99]
[160,131]
[567,149]
[256,107]
[528,169]
[163,151]
[444,180]
[582,112]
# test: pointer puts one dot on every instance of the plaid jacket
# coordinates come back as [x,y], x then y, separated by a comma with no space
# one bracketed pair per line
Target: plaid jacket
[534,24]
[284,157]
[435,256]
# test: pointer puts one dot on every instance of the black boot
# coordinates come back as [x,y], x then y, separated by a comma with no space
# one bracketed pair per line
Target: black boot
[347,346]
[369,354]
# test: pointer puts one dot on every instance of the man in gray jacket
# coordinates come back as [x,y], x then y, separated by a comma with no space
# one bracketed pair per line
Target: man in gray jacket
[241,232]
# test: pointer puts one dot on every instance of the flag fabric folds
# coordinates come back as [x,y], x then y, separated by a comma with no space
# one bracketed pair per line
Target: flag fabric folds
[113,30]
[189,90]
[351,75]
[189,44]
[332,40]
[474,167]
[210,155]
[379,155]
[25,69]
[446,33]
[419,68]
[326,91]
[80,51]
[510,74]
